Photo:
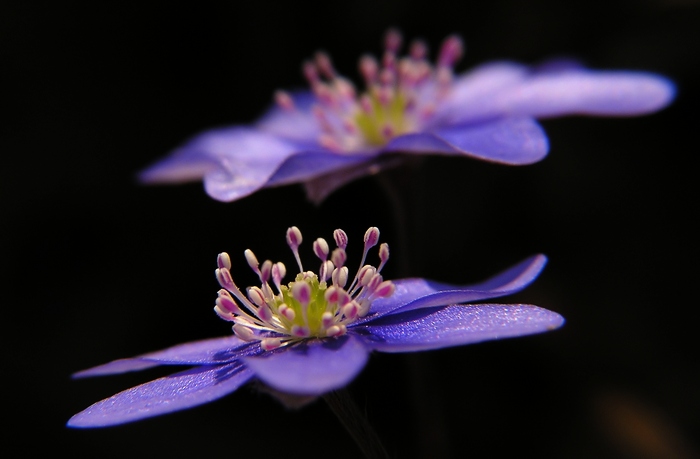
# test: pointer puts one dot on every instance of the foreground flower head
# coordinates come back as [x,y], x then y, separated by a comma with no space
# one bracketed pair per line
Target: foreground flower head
[315,334]
[334,133]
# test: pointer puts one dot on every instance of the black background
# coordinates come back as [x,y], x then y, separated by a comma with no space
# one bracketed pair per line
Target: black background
[96,267]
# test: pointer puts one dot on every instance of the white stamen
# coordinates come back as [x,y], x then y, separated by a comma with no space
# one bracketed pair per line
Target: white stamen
[243,332]
[384,290]
[287,312]
[335,330]
[383,255]
[266,269]
[371,237]
[278,272]
[224,277]
[223,260]
[255,295]
[369,69]
[226,303]
[284,100]
[350,310]
[392,40]
[374,282]
[302,292]
[450,52]
[364,308]
[228,316]
[327,319]
[310,72]
[326,270]
[265,313]
[324,65]
[366,274]
[338,257]
[418,50]
[320,247]
[252,260]
[340,276]
[269,344]
[294,240]
[331,295]
[366,104]
[300,332]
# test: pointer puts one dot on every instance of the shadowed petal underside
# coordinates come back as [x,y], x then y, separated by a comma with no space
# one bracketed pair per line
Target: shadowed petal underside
[313,367]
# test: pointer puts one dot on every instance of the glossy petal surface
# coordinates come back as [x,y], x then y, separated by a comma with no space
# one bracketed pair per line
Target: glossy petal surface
[514,141]
[214,351]
[472,93]
[420,293]
[164,395]
[555,90]
[435,328]
[312,367]
[116,367]
[587,93]
[234,161]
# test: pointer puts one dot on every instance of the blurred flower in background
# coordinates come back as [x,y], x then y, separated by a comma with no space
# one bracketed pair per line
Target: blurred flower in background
[330,135]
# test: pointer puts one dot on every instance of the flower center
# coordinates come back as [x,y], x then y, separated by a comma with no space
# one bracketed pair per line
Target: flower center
[311,306]
[401,94]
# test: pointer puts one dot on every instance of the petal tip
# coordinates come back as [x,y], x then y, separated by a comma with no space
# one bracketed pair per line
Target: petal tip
[115,367]
[174,171]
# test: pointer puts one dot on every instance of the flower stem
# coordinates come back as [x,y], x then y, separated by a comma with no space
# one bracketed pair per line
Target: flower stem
[405,191]
[403,187]
[356,423]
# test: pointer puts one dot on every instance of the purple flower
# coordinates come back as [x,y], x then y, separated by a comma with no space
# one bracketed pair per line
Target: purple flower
[329,136]
[315,334]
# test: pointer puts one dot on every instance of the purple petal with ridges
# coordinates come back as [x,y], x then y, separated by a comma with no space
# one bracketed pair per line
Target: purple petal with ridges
[420,293]
[435,328]
[298,124]
[214,351]
[186,389]
[514,141]
[586,93]
[312,367]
